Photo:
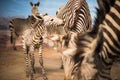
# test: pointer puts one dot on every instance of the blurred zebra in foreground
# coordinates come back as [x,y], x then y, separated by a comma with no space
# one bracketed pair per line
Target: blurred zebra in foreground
[19,25]
[89,56]
[76,16]
[34,38]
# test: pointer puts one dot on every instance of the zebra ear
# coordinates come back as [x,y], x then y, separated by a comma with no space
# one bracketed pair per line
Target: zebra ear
[38,3]
[31,3]
[29,16]
[45,14]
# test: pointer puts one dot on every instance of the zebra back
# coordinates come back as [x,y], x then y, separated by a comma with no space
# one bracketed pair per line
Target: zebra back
[76,16]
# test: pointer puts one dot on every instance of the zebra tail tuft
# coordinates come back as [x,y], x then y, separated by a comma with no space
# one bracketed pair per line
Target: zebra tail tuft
[11,30]
[11,39]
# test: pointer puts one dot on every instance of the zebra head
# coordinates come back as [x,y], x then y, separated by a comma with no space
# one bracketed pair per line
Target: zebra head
[52,23]
[78,56]
[52,20]
[35,7]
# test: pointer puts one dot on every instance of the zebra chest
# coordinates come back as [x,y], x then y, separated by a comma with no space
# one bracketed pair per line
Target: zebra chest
[27,36]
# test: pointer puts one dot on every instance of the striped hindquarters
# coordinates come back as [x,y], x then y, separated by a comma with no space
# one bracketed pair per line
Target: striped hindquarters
[76,16]
[12,30]
[83,21]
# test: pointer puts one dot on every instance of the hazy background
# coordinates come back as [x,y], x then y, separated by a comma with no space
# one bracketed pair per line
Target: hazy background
[21,8]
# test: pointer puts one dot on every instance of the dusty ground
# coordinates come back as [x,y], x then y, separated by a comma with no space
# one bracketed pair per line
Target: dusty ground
[12,64]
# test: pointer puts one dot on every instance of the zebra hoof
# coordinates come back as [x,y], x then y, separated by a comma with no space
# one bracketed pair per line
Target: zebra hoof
[15,48]
[34,71]
[32,79]
[27,75]
[61,67]
[45,78]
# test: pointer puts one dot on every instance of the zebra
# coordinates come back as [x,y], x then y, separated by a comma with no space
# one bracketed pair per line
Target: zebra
[34,38]
[76,16]
[89,56]
[18,25]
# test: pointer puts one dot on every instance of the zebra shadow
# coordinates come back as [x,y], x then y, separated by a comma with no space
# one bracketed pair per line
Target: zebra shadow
[38,70]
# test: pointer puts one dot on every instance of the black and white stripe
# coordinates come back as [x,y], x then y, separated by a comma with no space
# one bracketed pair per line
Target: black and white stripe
[89,56]
[76,16]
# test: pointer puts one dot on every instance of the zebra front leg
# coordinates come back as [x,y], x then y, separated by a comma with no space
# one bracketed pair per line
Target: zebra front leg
[61,48]
[61,67]
[26,60]
[32,58]
[32,62]
[41,63]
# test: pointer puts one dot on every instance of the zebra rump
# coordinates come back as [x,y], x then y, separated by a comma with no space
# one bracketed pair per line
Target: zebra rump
[18,25]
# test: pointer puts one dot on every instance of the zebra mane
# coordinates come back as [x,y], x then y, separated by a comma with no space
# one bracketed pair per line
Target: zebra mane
[101,11]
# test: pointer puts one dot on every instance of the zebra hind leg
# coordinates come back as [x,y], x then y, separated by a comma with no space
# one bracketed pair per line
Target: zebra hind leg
[61,67]
[26,61]
[14,46]
[13,40]
[61,48]
[41,63]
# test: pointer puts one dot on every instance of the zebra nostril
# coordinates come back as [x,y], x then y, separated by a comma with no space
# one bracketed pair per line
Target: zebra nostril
[63,23]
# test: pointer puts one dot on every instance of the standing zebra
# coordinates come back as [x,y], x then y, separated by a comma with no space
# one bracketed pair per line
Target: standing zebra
[76,16]
[19,25]
[89,56]
[33,38]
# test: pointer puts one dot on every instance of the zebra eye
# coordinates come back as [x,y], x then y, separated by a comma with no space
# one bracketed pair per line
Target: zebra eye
[39,17]
[51,19]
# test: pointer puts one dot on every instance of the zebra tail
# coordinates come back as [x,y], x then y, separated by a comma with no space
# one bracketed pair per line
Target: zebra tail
[11,39]
[11,30]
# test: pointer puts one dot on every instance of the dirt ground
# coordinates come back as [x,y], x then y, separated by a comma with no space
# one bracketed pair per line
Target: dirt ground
[12,64]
